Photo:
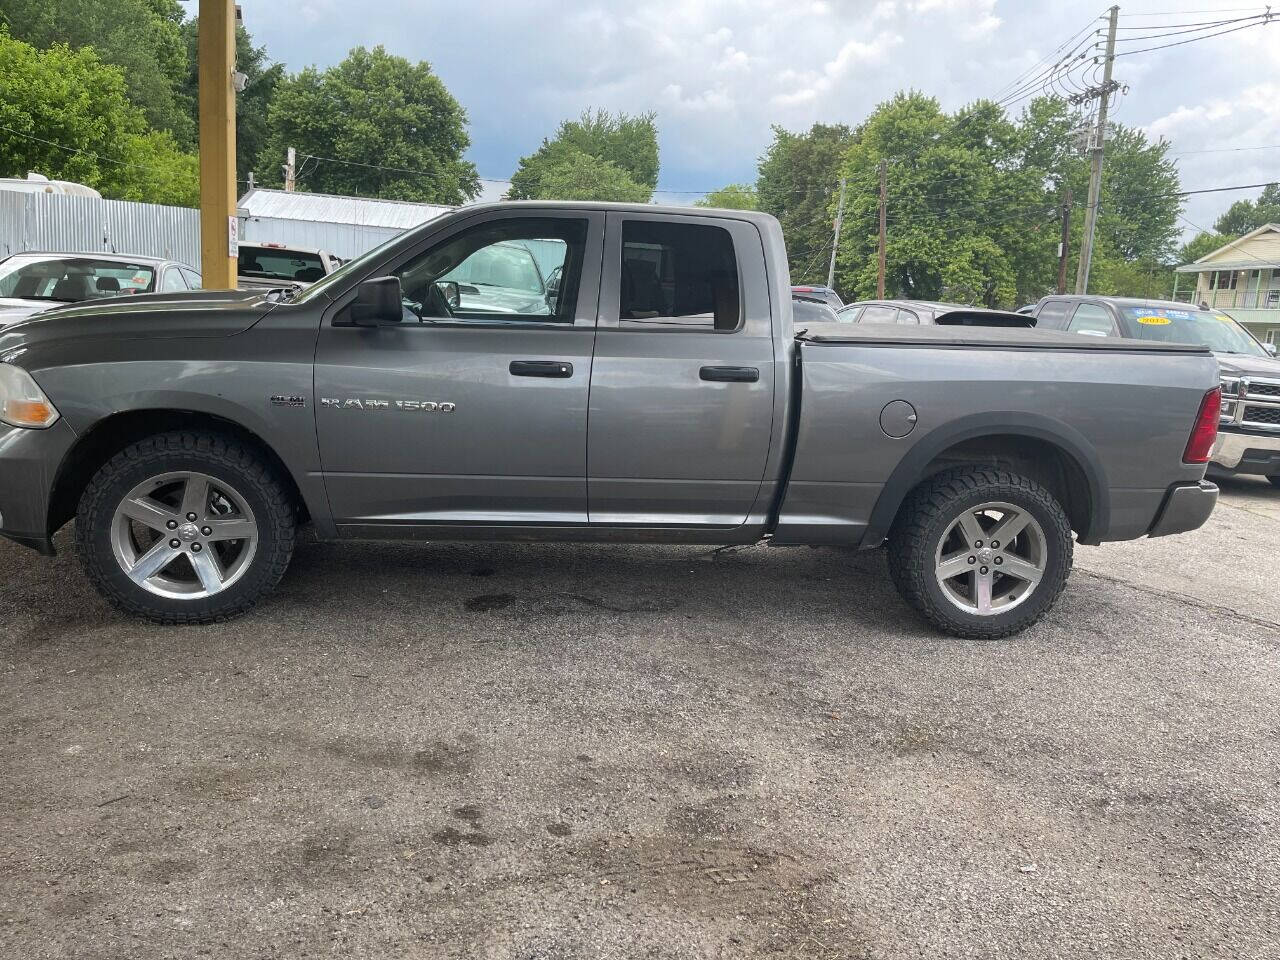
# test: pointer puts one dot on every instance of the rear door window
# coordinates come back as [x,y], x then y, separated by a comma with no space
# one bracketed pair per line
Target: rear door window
[172,280]
[1053,315]
[1093,320]
[849,314]
[878,313]
[678,276]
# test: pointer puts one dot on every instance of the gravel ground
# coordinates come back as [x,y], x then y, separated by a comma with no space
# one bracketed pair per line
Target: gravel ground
[551,751]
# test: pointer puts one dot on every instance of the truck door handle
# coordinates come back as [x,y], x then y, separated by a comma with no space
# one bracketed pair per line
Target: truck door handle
[541,368]
[730,374]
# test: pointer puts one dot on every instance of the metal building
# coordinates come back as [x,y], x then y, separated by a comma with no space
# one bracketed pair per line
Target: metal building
[74,224]
[346,226]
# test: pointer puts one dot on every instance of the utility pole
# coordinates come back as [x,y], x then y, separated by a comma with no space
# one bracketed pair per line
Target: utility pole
[1103,93]
[290,169]
[1064,248]
[835,243]
[884,202]
[219,228]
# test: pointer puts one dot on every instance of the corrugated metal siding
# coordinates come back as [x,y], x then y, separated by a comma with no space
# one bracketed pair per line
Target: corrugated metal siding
[50,221]
[344,239]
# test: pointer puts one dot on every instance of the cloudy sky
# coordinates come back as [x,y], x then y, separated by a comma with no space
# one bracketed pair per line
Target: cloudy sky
[719,73]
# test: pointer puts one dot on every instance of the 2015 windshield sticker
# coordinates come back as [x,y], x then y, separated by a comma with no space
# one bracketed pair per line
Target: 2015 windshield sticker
[1155,321]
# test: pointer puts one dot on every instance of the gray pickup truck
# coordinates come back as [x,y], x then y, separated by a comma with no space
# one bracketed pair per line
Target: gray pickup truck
[661,395]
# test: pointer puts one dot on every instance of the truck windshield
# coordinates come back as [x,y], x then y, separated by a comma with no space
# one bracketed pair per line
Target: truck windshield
[264,263]
[1217,331]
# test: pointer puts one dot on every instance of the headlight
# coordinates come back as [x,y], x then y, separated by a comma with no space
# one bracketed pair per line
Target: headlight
[22,402]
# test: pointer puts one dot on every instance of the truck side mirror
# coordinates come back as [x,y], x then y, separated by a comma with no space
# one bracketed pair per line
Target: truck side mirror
[1270,348]
[377,303]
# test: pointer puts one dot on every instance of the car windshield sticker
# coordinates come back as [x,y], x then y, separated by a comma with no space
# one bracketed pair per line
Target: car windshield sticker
[1155,321]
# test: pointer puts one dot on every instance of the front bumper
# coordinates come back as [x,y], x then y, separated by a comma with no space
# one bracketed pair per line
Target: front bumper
[1185,507]
[29,461]
[1247,453]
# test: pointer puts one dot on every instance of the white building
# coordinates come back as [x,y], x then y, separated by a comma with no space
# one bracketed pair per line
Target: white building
[345,226]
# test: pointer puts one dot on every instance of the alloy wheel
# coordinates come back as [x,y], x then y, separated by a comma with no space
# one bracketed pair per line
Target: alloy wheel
[991,558]
[184,535]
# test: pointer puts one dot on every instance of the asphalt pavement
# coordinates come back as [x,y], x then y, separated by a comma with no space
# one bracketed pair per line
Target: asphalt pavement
[552,752]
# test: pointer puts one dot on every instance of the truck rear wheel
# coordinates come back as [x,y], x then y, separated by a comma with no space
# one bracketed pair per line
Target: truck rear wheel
[185,527]
[980,552]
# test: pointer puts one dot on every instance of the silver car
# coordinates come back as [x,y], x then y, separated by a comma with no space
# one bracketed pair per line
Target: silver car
[31,282]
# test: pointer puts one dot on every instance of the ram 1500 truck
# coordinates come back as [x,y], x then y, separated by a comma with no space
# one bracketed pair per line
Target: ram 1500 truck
[658,393]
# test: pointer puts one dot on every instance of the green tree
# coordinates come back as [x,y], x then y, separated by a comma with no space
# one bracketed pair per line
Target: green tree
[1246,215]
[974,202]
[797,183]
[566,173]
[253,104]
[141,37]
[1202,245]
[628,144]
[389,127]
[736,196]
[65,113]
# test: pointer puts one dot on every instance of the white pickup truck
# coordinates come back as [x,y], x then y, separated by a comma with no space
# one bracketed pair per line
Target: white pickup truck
[266,266]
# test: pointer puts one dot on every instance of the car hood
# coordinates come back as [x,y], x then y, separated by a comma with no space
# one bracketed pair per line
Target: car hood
[1235,364]
[203,313]
[13,309]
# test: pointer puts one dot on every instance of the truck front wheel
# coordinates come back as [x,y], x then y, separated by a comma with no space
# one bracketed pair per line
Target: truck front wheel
[185,527]
[980,552]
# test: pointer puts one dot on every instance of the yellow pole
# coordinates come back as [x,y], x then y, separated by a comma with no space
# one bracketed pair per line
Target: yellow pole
[217,52]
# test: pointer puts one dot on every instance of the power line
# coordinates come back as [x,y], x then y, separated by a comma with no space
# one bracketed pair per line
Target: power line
[1198,29]
[1164,46]
[1187,153]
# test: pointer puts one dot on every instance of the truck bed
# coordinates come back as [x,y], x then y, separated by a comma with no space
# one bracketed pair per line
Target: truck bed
[1087,400]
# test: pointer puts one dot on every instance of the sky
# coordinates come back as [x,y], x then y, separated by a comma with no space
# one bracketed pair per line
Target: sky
[719,74]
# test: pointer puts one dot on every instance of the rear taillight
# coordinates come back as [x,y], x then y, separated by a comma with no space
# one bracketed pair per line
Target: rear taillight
[1205,431]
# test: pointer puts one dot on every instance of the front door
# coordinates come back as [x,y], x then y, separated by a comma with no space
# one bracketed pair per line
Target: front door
[473,410]
[1252,285]
[682,387]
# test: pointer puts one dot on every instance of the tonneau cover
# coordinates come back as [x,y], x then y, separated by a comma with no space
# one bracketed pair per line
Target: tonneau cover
[992,337]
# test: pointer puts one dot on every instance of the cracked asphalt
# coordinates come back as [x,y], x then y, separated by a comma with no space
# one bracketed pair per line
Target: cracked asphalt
[549,752]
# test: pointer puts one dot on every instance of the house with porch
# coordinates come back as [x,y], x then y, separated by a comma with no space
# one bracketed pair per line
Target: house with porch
[1241,278]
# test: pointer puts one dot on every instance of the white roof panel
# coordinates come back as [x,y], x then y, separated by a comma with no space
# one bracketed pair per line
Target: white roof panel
[327,208]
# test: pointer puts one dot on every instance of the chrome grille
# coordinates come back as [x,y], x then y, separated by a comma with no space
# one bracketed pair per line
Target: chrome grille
[1251,402]
[1267,415]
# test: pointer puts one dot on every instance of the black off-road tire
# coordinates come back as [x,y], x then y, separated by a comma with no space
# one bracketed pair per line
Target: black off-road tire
[923,520]
[219,456]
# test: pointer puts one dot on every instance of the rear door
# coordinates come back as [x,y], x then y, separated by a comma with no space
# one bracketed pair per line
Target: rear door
[682,384]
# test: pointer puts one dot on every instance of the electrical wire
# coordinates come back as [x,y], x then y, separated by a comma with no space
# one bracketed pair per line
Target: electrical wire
[1164,46]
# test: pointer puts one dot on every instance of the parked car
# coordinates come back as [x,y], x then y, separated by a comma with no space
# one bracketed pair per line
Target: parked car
[926,312]
[1249,435]
[31,282]
[265,266]
[667,397]
[825,294]
[807,310]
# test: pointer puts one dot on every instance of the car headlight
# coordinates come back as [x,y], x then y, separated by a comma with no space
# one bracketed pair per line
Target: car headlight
[22,402]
